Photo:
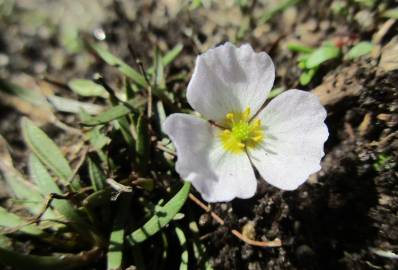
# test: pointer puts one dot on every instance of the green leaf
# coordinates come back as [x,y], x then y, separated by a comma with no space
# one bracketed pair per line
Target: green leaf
[142,146]
[300,48]
[11,220]
[279,7]
[112,60]
[391,13]
[165,214]
[29,95]
[98,198]
[307,76]
[115,250]
[97,139]
[26,193]
[123,125]
[87,88]
[60,261]
[159,80]
[68,105]
[5,242]
[169,57]
[161,114]
[359,50]
[322,55]
[97,177]
[114,113]
[195,4]
[47,185]
[48,152]
[183,244]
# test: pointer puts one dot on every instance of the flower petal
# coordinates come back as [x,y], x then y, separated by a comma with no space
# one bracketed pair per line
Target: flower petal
[295,133]
[201,159]
[229,79]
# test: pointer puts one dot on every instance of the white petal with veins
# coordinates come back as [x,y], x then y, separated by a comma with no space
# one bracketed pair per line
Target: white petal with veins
[295,133]
[216,174]
[229,79]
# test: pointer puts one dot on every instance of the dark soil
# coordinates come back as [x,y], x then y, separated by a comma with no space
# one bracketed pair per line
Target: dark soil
[345,213]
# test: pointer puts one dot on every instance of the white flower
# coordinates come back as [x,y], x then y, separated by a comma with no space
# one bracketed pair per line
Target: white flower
[284,141]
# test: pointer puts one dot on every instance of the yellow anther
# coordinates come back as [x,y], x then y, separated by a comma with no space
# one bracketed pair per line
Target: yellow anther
[240,133]
[258,138]
[230,116]
[256,123]
[246,114]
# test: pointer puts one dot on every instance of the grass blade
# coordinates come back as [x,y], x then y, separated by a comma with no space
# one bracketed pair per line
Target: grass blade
[97,177]
[142,143]
[115,251]
[165,214]
[322,55]
[59,261]
[360,49]
[112,60]
[169,57]
[87,88]
[183,243]
[48,152]
[28,95]
[11,220]
[114,112]
[279,7]
[26,193]
[47,186]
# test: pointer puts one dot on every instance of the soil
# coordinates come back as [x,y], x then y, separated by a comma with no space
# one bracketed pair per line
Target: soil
[345,214]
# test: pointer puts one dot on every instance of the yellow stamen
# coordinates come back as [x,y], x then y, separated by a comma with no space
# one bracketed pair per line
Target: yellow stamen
[240,133]
[230,116]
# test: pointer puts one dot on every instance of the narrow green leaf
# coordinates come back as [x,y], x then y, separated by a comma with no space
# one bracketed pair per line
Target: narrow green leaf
[183,244]
[165,214]
[115,251]
[391,13]
[279,7]
[114,112]
[159,80]
[97,139]
[98,198]
[142,146]
[359,50]
[68,105]
[297,47]
[47,185]
[11,220]
[307,76]
[29,95]
[322,55]
[48,152]
[26,193]
[195,4]
[125,69]
[87,88]
[161,114]
[59,261]
[97,176]
[171,55]
[5,242]
[124,126]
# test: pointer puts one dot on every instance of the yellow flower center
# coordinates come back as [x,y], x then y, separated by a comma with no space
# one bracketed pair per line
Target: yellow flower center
[240,133]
